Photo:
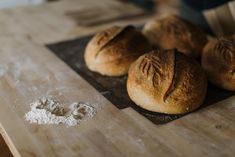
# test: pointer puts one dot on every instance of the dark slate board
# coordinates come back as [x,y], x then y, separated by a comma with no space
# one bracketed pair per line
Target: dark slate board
[114,88]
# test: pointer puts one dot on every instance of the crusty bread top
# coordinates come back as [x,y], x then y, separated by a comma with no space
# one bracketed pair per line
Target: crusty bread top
[159,68]
[225,50]
[174,32]
[117,43]
[170,77]
[221,51]
[102,39]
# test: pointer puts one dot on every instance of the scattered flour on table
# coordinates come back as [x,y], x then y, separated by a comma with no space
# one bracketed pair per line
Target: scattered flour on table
[49,111]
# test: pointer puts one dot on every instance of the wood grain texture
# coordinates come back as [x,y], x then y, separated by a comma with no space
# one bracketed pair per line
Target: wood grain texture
[25,78]
[207,132]
[37,72]
[47,23]
[213,22]
[231,6]
[221,19]
[226,19]
[28,71]
[4,150]
[25,82]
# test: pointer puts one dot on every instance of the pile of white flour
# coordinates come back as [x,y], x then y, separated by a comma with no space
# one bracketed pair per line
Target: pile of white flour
[49,111]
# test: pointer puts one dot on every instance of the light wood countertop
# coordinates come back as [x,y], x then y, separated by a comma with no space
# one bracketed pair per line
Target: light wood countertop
[26,64]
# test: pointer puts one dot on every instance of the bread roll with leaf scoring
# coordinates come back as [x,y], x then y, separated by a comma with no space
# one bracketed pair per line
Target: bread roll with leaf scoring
[173,32]
[218,60]
[112,51]
[167,81]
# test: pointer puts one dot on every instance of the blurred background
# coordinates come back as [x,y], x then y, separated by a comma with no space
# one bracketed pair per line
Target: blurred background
[15,3]
[216,17]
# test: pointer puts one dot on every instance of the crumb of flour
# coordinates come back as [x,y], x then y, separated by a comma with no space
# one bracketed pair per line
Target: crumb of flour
[49,111]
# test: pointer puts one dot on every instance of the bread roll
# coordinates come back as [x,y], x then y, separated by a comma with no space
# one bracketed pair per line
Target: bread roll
[218,60]
[173,32]
[112,51]
[166,81]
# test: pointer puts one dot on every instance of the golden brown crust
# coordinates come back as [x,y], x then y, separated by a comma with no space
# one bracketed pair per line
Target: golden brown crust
[166,81]
[174,32]
[112,51]
[218,60]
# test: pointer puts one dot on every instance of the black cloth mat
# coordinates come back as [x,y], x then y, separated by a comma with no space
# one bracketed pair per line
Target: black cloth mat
[114,88]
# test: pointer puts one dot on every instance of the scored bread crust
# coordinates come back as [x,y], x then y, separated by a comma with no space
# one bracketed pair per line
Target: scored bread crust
[218,61]
[174,32]
[166,81]
[112,51]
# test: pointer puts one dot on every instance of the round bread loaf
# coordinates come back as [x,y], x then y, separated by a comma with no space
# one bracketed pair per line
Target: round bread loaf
[112,51]
[167,81]
[218,61]
[173,32]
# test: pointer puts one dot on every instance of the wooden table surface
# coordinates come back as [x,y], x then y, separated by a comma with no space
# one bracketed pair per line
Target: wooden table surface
[28,70]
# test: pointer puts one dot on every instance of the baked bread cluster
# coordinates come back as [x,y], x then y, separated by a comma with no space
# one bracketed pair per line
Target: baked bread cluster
[163,75]
[173,32]
[167,81]
[218,61]
[112,51]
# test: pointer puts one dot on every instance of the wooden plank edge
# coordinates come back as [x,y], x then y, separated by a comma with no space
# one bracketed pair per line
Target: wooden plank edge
[9,142]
